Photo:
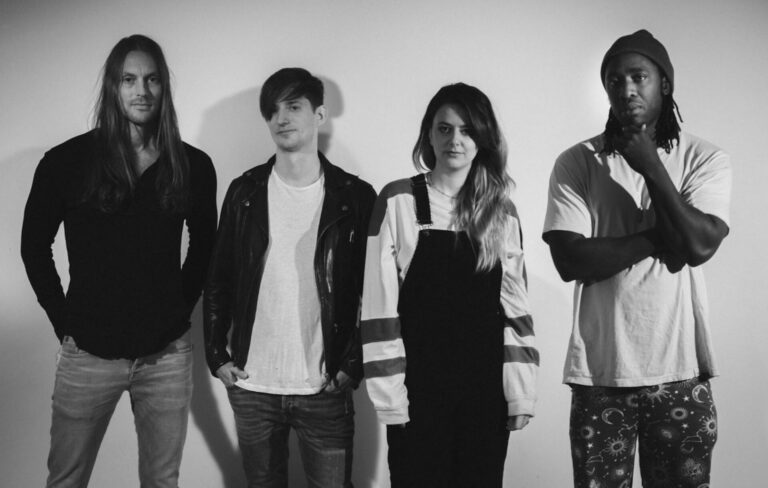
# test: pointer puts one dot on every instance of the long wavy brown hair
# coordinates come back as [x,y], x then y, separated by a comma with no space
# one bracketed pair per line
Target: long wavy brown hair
[481,208]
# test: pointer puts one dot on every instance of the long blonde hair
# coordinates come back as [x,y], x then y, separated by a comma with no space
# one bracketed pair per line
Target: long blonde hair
[114,176]
[482,204]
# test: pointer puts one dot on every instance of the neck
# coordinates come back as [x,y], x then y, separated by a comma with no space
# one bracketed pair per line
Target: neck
[144,143]
[448,182]
[143,138]
[298,168]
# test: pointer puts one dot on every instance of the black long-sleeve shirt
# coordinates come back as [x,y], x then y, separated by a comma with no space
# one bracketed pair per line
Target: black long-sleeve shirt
[129,295]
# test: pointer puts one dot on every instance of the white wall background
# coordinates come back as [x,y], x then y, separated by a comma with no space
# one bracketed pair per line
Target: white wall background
[382,61]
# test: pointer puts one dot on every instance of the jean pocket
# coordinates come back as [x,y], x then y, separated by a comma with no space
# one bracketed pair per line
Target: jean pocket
[69,346]
[181,345]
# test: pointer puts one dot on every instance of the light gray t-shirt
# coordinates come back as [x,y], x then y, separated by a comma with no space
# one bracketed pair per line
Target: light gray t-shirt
[644,325]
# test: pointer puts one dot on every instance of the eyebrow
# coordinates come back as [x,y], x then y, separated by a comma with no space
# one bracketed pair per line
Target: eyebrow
[131,73]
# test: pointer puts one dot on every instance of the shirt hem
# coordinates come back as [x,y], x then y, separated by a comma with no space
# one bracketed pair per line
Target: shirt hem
[631,382]
[278,391]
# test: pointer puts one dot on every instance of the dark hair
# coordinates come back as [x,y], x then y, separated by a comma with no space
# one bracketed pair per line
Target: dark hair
[667,130]
[482,203]
[290,84]
[115,174]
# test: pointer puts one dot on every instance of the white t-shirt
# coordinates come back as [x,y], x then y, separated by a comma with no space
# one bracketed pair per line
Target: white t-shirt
[644,325]
[286,352]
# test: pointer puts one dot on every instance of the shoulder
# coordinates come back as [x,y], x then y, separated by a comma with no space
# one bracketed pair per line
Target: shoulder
[72,153]
[250,180]
[196,156]
[582,151]
[576,162]
[396,189]
[347,180]
[199,162]
[74,147]
[395,198]
[699,147]
[260,172]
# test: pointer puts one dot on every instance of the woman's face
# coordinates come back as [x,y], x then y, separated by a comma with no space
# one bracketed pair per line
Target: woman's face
[451,139]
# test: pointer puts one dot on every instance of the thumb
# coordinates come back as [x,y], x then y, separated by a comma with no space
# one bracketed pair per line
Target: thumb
[240,373]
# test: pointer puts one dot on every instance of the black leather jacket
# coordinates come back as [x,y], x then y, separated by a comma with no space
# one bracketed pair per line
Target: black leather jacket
[238,259]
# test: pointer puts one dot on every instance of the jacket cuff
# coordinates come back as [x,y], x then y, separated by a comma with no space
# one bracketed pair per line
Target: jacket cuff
[217,362]
[393,416]
[521,406]
[354,369]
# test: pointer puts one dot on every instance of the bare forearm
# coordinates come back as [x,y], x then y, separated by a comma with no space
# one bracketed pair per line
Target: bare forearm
[595,259]
[690,236]
[687,232]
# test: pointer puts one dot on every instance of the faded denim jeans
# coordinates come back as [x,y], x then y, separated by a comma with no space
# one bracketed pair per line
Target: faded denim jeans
[85,395]
[324,425]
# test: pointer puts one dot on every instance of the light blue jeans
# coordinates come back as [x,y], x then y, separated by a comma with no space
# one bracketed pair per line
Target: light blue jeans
[324,425]
[85,395]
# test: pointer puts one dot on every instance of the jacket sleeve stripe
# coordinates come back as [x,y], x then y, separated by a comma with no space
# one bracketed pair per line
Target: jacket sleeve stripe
[522,325]
[379,330]
[521,354]
[384,367]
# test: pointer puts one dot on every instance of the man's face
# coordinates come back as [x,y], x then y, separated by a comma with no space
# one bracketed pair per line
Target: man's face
[141,90]
[635,89]
[294,125]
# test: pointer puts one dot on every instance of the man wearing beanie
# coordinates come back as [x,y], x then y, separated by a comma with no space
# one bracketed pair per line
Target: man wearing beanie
[632,214]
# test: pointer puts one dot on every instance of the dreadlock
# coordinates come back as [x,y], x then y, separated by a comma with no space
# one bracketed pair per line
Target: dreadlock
[667,127]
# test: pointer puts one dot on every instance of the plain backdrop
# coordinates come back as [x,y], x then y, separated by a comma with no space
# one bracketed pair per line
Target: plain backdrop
[381,62]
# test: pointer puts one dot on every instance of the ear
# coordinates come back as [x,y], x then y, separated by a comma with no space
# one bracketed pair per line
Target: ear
[321,114]
[666,86]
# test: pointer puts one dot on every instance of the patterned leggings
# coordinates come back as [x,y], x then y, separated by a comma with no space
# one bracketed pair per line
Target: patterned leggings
[677,428]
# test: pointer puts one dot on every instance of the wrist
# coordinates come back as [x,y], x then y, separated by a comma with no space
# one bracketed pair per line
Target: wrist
[651,169]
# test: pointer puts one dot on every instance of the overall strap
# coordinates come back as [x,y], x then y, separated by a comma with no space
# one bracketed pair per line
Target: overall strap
[421,196]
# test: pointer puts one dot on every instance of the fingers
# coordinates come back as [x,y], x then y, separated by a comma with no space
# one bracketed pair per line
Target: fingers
[342,382]
[239,373]
[517,422]
[228,373]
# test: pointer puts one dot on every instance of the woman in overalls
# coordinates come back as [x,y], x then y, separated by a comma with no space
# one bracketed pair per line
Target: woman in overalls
[447,336]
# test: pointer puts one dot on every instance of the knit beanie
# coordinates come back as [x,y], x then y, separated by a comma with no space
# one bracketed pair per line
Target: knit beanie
[641,42]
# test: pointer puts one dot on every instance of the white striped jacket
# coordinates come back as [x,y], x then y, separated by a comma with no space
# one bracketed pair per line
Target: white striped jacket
[392,240]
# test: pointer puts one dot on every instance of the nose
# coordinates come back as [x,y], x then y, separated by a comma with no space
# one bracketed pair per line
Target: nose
[456,137]
[141,88]
[282,116]
[628,89]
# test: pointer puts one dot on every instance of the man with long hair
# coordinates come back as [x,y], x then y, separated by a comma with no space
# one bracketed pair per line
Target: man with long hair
[286,276]
[124,191]
[632,214]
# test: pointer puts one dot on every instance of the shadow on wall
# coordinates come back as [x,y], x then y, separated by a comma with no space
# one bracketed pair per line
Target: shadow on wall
[28,347]
[236,137]
[529,460]
[206,415]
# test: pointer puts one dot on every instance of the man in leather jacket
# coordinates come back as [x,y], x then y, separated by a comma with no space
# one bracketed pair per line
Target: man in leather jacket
[286,277]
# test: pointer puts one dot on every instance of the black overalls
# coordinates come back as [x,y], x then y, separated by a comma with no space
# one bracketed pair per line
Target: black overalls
[452,329]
